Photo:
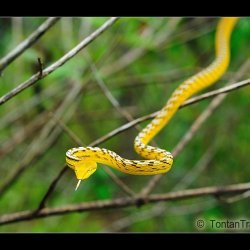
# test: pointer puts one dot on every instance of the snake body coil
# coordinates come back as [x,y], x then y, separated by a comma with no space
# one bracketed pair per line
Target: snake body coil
[83,160]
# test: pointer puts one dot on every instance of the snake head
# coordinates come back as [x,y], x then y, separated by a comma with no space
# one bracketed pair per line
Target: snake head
[82,165]
[84,169]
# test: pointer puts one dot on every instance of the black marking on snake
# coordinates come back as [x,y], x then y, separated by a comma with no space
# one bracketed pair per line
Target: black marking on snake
[72,159]
[86,156]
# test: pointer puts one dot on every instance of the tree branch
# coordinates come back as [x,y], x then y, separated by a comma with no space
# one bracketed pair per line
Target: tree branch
[219,91]
[29,41]
[33,79]
[124,202]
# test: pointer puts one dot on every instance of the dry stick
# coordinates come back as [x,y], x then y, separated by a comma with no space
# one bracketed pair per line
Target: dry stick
[124,202]
[186,103]
[195,127]
[37,147]
[58,63]
[28,42]
[74,137]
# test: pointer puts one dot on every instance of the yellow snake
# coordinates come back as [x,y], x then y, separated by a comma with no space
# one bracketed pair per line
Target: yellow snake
[83,160]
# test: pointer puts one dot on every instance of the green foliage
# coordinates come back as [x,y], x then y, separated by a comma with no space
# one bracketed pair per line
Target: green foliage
[140,87]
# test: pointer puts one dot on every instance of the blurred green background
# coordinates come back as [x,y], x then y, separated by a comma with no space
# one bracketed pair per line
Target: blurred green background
[141,61]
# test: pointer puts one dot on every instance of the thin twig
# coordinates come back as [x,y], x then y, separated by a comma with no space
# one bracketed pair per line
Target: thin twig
[40,67]
[33,79]
[29,41]
[125,202]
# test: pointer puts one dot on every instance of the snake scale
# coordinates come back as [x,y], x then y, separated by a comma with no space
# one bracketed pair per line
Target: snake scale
[83,160]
